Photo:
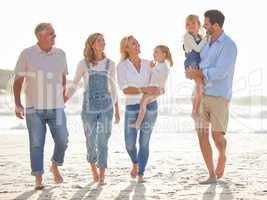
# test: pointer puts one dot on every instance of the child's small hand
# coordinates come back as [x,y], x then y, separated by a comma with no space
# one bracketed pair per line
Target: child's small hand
[152,64]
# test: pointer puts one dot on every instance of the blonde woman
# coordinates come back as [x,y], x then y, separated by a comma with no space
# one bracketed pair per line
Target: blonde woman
[100,95]
[133,78]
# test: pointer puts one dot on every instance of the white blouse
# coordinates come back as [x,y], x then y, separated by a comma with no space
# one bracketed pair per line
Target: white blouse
[128,76]
[82,72]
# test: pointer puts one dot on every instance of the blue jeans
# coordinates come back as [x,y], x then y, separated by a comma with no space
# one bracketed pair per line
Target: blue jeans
[97,128]
[36,123]
[146,128]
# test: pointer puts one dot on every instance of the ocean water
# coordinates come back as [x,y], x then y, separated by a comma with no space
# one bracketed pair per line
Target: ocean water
[174,117]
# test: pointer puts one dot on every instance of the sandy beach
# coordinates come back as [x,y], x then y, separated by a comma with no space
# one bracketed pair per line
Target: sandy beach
[173,171]
[192,57]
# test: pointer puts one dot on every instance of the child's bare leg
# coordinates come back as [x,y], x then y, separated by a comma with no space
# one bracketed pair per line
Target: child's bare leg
[142,111]
[197,98]
[194,109]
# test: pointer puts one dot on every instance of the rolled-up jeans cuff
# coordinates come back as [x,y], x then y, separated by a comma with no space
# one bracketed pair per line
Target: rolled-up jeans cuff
[57,163]
[37,173]
[140,174]
[101,166]
[91,160]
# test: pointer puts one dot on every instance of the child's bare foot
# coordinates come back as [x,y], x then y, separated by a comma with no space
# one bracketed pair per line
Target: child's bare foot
[136,126]
[141,179]
[195,115]
[210,180]
[134,171]
[38,183]
[220,166]
[57,177]
[94,173]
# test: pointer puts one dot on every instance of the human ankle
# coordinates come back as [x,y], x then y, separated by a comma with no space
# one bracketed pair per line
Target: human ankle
[38,179]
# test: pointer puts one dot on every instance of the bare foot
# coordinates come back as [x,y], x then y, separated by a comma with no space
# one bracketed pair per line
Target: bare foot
[102,182]
[141,179]
[195,115]
[102,175]
[210,180]
[221,163]
[94,173]
[38,183]
[39,187]
[134,126]
[220,166]
[57,177]
[134,171]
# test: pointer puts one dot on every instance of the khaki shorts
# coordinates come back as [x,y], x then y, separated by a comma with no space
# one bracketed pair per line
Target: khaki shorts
[215,111]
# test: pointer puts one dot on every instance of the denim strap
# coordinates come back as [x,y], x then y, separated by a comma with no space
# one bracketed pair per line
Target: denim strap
[88,65]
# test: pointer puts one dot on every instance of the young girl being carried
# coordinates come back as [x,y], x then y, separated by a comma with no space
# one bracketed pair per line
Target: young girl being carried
[160,72]
[193,42]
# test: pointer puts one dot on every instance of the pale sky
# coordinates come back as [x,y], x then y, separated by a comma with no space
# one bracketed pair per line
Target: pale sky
[151,22]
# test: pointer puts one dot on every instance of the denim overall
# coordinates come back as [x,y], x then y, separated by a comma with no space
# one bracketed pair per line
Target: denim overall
[97,113]
[193,58]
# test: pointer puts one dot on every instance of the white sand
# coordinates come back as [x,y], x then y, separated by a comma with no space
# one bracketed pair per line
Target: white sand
[173,169]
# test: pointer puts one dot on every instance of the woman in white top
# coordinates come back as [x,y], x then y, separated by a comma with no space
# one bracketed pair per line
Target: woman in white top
[98,73]
[133,78]
[159,77]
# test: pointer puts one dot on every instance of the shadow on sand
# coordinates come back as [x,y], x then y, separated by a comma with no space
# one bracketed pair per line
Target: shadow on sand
[226,193]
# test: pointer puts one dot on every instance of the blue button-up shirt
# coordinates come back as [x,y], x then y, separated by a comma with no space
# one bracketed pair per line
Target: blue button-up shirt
[217,65]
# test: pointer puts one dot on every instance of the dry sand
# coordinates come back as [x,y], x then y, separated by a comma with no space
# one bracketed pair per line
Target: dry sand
[174,167]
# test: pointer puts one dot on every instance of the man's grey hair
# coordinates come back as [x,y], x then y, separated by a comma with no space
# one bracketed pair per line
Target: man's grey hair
[41,28]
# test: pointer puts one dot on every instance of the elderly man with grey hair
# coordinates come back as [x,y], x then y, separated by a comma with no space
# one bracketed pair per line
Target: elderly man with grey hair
[43,69]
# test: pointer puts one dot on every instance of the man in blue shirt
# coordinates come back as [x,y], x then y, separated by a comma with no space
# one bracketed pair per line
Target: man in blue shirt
[217,66]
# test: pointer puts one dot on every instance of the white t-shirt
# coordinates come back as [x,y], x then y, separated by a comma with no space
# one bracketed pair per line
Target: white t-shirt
[82,73]
[43,73]
[159,75]
[128,76]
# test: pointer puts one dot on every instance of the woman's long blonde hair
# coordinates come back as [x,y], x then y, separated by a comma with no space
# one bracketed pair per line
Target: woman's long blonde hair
[166,50]
[88,51]
[123,46]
